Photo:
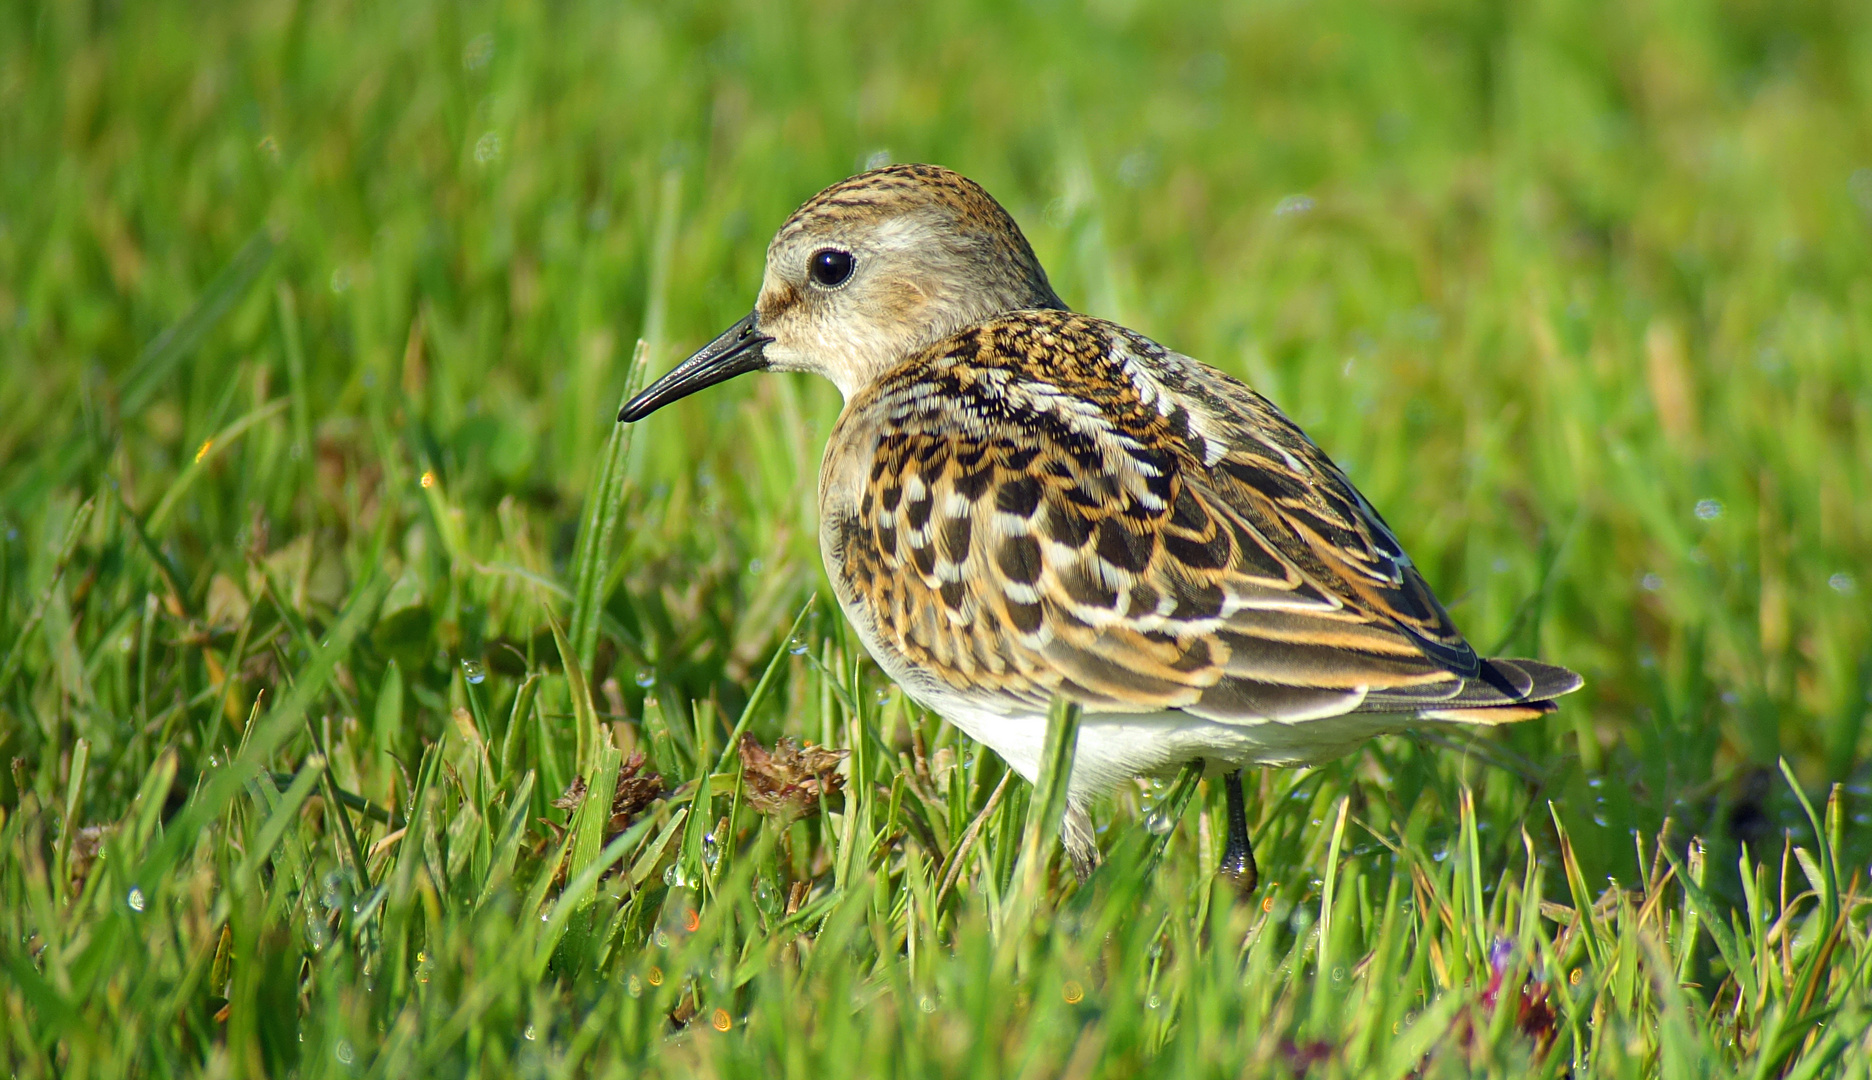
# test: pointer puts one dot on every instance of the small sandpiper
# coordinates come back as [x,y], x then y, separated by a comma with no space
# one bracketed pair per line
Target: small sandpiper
[1020,503]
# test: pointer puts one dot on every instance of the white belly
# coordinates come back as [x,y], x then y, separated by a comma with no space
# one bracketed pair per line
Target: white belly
[1115,747]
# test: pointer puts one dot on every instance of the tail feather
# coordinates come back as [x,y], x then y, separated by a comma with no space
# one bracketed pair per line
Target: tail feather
[1546,681]
[1504,692]
[1490,714]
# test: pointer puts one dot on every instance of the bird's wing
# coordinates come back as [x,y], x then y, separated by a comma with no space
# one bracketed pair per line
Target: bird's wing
[1048,504]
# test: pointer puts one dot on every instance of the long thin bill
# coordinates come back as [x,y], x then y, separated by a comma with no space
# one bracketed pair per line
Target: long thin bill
[736,352]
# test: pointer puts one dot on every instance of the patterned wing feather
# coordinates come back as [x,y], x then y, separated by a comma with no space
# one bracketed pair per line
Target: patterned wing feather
[1048,504]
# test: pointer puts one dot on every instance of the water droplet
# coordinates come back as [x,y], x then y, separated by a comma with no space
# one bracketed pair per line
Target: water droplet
[487,148]
[1709,509]
[1154,1002]
[531,1037]
[882,695]
[766,897]
[711,851]
[474,671]
[1651,582]
[1158,821]
[343,1052]
[755,567]
[927,1004]
[797,645]
[331,893]
[1842,583]
[479,51]
[1292,206]
[635,987]
[136,898]
[645,678]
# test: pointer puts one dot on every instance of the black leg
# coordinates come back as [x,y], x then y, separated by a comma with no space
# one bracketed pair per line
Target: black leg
[1238,864]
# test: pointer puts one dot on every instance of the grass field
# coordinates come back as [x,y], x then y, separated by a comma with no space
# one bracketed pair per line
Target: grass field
[326,577]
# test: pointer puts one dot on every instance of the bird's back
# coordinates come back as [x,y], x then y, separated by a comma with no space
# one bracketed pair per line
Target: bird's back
[1048,504]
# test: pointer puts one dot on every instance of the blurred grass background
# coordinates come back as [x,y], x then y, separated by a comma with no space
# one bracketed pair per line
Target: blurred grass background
[311,309]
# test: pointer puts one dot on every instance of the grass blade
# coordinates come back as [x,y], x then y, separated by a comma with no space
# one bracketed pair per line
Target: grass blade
[507,847]
[283,815]
[154,365]
[591,553]
[159,517]
[16,654]
[266,736]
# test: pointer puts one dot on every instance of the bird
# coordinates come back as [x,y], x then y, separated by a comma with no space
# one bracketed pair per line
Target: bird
[1020,503]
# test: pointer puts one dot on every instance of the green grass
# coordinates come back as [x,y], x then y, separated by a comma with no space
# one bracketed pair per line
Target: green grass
[312,321]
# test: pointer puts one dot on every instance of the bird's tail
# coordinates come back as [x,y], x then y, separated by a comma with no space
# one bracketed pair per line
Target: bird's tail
[1503,692]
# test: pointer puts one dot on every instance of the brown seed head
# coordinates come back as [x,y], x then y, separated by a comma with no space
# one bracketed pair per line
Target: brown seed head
[788,782]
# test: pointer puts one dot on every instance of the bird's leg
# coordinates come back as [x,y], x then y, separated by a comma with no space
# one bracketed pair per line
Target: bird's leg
[1081,841]
[1238,862]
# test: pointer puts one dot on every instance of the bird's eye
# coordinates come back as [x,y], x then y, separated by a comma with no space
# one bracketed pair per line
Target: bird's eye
[830,267]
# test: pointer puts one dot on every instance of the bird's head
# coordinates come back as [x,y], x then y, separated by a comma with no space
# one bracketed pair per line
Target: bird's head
[868,272]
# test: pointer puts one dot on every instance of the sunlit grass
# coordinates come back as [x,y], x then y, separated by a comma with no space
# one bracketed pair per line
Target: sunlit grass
[326,577]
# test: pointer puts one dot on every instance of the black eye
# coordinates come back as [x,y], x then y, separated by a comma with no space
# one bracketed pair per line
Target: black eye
[830,267]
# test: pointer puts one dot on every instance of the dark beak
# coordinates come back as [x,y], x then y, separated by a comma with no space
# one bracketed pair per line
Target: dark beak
[736,352]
